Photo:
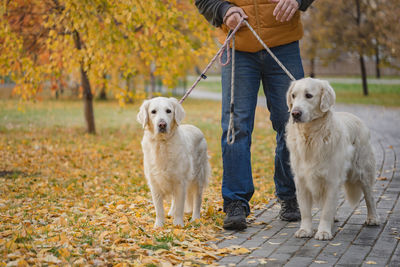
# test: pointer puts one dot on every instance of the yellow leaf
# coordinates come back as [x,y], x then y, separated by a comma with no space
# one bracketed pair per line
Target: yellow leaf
[240,251]
[64,252]
[22,263]
[370,262]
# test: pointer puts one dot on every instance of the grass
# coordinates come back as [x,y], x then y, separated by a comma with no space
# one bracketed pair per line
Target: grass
[379,94]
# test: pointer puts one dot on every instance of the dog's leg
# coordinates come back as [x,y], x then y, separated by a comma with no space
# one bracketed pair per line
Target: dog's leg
[372,217]
[172,209]
[189,199]
[328,213]
[179,202]
[304,199]
[197,196]
[159,206]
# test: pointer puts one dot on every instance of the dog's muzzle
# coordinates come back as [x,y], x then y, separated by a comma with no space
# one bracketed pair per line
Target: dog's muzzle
[296,114]
[162,126]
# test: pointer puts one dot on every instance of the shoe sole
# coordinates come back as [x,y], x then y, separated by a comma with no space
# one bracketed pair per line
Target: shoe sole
[235,226]
[289,220]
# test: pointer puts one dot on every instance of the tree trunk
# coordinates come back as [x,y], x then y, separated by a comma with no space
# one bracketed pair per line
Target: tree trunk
[312,67]
[87,91]
[103,93]
[361,50]
[130,87]
[88,102]
[152,87]
[377,62]
[363,74]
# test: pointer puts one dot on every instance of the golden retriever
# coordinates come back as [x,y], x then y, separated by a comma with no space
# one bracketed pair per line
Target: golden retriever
[328,150]
[175,159]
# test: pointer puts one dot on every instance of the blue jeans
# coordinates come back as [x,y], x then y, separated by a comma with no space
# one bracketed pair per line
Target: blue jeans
[250,70]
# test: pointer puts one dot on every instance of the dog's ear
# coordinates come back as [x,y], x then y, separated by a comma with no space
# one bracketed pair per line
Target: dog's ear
[328,96]
[289,99]
[143,116]
[179,112]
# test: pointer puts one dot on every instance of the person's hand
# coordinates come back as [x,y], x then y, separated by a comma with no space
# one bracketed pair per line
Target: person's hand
[233,16]
[284,9]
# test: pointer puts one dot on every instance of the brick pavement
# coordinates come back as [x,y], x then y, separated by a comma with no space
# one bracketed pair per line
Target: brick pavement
[272,242]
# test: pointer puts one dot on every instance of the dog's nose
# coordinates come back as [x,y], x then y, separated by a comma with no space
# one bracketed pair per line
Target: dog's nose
[296,114]
[162,125]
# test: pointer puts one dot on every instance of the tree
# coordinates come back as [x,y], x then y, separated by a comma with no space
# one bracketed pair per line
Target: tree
[345,30]
[311,41]
[386,19]
[367,28]
[97,37]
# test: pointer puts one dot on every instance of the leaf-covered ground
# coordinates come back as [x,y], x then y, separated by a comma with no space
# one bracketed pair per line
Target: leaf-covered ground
[69,198]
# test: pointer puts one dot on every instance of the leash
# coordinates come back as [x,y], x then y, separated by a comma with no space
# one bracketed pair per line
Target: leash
[231,36]
[230,136]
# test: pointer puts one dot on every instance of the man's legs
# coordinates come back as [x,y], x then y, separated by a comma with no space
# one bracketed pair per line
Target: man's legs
[237,183]
[276,83]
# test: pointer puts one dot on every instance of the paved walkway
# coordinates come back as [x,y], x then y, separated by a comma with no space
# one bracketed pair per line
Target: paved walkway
[272,243]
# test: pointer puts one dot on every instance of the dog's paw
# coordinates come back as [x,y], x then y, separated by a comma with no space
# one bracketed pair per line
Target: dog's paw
[323,235]
[195,218]
[372,221]
[178,222]
[158,225]
[303,233]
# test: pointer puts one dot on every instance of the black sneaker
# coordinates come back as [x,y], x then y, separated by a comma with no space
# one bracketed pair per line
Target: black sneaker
[289,210]
[235,216]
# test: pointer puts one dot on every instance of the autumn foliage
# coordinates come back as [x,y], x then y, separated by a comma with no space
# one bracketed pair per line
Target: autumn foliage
[45,40]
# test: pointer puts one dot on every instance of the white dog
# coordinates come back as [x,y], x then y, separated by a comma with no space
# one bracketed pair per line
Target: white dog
[327,150]
[175,159]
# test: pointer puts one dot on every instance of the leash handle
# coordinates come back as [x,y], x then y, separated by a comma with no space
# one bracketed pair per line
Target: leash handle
[203,74]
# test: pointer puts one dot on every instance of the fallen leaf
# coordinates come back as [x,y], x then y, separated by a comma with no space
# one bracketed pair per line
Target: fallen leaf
[51,259]
[240,251]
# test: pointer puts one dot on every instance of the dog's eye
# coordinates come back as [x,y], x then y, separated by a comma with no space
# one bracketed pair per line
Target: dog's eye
[168,111]
[309,96]
[153,111]
[293,96]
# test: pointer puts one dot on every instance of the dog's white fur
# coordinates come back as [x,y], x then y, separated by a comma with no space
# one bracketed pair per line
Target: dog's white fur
[175,159]
[328,150]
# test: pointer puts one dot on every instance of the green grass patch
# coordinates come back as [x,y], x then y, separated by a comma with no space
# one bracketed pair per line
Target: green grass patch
[155,247]
[379,94]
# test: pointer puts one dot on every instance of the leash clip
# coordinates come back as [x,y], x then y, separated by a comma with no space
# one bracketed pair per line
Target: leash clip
[203,76]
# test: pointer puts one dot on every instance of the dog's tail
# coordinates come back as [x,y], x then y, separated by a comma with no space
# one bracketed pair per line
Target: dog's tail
[353,193]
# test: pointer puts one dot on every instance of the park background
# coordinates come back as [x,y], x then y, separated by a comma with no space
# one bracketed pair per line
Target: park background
[73,75]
